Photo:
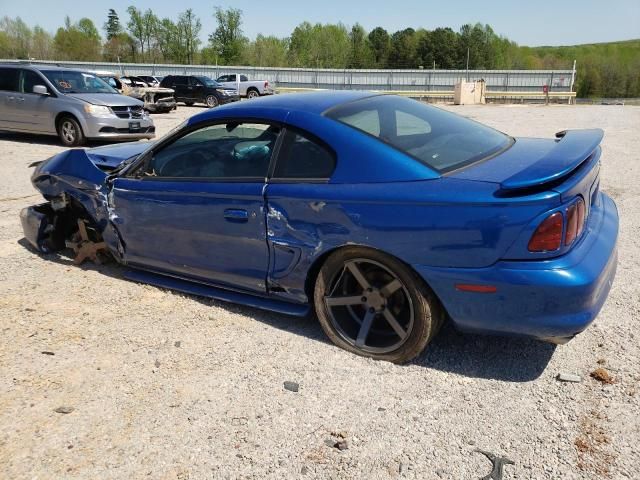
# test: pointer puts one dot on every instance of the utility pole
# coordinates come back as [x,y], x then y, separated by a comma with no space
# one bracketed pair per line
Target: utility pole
[468,63]
[573,77]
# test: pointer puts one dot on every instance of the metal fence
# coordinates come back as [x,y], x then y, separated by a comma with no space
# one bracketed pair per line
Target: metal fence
[526,81]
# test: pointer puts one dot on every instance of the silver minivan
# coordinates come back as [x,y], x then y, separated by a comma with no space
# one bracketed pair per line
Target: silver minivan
[72,104]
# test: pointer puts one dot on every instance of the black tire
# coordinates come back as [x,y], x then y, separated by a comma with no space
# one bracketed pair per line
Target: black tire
[189,104]
[397,300]
[70,132]
[252,93]
[211,101]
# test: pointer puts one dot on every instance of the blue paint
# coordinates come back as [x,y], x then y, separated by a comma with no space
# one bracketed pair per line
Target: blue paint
[261,239]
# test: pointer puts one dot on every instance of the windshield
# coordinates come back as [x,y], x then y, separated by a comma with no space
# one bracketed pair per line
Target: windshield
[68,81]
[439,139]
[209,82]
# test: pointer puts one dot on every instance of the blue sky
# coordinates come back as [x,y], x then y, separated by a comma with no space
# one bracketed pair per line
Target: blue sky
[566,22]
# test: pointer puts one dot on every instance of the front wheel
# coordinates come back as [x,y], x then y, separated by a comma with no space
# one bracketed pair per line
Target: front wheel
[373,305]
[70,132]
[212,101]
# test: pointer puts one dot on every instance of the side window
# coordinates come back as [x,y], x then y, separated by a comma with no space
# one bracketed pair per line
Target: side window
[231,78]
[9,79]
[243,78]
[303,157]
[223,78]
[29,80]
[407,124]
[194,82]
[366,120]
[232,150]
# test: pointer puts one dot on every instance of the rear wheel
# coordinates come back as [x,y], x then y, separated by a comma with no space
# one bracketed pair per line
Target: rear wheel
[373,305]
[69,132]
[252,93]
[189,104]
[212,101]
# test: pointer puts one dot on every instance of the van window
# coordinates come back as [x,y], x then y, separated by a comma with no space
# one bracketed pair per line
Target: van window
[9,79]
[29,80]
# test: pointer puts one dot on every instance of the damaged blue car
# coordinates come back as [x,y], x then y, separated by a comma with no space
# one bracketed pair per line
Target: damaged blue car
[384,215]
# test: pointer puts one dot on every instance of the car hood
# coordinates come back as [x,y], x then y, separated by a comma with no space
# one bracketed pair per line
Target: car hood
[107,99]
[110,156]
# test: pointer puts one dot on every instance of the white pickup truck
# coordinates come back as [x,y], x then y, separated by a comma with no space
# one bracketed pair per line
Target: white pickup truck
[246,88]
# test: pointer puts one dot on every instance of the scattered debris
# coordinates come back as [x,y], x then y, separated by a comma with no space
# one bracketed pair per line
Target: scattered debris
[603,376]
[601,361]
[498,465]
[157,363]
[177,344]
[47,353]
[593,454]
[84,247]
[64,410]
[568,377]
[291,386]
[239,421]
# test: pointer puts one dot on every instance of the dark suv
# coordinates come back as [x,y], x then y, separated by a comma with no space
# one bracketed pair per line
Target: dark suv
[192,89]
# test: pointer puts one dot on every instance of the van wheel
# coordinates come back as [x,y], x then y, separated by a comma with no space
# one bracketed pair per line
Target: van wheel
[253,93]
[212,101]
[69,132]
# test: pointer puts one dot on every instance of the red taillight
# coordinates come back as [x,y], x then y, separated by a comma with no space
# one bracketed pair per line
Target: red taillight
[581,215]
[572,225]
[266,84]
[548,235]
[575,222]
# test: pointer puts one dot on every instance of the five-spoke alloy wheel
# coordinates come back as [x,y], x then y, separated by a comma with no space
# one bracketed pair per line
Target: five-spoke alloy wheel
[374,305]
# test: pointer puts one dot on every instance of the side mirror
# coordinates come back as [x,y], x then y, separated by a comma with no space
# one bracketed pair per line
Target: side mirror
[40,90]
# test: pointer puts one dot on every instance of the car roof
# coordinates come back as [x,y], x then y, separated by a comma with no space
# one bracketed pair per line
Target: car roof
[40,66]
[309,102]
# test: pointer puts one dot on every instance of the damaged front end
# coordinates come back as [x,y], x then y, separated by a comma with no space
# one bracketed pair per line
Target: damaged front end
[77,214]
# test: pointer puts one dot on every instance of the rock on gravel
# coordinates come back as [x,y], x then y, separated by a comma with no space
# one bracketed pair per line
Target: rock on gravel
[465,391]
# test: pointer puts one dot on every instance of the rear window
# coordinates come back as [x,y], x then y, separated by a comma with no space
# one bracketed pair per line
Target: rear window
[441,140]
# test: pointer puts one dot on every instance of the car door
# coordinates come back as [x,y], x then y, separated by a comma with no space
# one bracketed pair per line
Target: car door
[8,98]
[301,219]
[36,112]
[227,81]
[196,89]
[195,207]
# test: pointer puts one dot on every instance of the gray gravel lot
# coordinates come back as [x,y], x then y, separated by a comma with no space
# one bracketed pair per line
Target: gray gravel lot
[167,386]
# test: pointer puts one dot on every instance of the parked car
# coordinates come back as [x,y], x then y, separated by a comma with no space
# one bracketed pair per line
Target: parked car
[384,214]
[192,89]
[72,104]
[151,80]
[134,81]
[246,88]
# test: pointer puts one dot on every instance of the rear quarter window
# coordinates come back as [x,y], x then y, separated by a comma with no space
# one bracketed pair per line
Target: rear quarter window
[9,79]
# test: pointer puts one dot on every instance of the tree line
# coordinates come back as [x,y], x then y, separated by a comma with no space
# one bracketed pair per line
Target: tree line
[144,37]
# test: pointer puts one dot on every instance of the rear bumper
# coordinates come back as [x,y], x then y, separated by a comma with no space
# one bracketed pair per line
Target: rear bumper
[552,300]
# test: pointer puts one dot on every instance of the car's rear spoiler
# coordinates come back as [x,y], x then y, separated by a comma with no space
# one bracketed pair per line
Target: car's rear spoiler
[572,149]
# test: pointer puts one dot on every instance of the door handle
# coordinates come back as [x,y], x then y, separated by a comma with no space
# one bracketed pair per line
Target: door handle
[237,215]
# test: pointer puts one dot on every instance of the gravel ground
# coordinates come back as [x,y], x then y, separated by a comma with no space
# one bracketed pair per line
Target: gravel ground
[167,386]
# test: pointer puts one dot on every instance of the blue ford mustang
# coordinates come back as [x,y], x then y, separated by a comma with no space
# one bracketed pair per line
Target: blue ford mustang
[385,215]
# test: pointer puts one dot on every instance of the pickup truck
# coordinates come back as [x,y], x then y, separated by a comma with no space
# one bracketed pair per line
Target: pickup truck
[246,88]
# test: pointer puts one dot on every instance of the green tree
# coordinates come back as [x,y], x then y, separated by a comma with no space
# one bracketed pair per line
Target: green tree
[79,41]
[361,55]
[403,49]
[227,40]
[189,27]
[41,44]
[17,37]
[266,51]
[136,27]
[380,45]
[112,26]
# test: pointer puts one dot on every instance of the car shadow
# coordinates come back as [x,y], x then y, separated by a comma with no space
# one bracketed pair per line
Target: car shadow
[51,140]
[508,359]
